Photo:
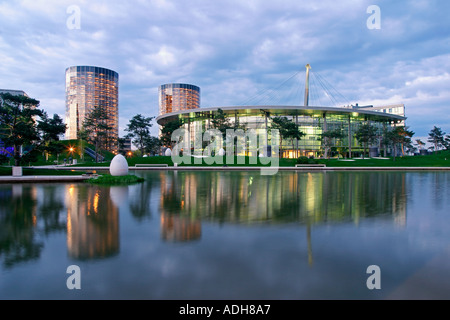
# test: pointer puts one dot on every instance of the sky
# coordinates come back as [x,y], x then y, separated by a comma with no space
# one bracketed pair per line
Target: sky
[238,52]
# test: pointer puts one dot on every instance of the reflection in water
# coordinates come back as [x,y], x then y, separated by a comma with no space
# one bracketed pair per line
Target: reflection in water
[307,198]
[92,222]
[90,214]
[179,229]
[18,240]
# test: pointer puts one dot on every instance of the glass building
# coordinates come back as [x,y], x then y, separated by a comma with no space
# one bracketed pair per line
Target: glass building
[174,97]
[312,121]
[88,87]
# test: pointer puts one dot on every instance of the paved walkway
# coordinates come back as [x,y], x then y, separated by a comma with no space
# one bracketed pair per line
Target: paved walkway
[225,168]
[81,178]
[35,179]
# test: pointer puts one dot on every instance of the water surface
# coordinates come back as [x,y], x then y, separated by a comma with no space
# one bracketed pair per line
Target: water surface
[229,235]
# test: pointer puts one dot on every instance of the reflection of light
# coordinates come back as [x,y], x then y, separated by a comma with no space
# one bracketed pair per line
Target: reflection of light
[71,189]
[95,204]
[69,229]
[34,220]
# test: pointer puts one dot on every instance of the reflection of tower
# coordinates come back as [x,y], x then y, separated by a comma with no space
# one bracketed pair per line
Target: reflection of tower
[92,223]
[177,229]
[178,209]
[308,238]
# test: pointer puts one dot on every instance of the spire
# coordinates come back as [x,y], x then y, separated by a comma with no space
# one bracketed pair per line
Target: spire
[308,67]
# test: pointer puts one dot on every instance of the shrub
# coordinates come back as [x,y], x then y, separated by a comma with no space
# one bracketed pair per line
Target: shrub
[306,160]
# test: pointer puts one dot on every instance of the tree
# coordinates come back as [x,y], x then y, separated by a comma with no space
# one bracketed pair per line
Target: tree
[287,129]
[18,124]
[221,122]
[447,142]
[51,129]
[152,144]
[366,134]
[399,136]
[139,131]
[420,144]
[327,139]
[406,134]
[167,130]
[96,129]
[436,137]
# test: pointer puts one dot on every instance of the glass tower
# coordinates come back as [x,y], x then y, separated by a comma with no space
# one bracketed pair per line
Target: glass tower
[175,97]
[88,87]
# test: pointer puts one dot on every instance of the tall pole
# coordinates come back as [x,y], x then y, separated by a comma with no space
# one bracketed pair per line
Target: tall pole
[308,67]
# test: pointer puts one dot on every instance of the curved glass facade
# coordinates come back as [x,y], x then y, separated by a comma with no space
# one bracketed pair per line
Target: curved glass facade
[312,121]
[86,88]
[174,97]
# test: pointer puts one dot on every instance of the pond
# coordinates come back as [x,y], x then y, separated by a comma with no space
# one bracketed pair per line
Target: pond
[229,235]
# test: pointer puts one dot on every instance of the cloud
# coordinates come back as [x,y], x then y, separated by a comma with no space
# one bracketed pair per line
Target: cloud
[233,50]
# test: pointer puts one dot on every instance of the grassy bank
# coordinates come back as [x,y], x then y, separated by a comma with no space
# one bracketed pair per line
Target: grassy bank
[441,159]
[113,180]
[200,162]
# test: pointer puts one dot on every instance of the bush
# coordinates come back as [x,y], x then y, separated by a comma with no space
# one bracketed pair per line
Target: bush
[113,180]
[306,160]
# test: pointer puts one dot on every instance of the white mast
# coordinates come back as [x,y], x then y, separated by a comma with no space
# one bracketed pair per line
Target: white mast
[308,67]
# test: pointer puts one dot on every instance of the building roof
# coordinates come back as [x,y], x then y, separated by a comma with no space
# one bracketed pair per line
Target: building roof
[14,92]
[282,110]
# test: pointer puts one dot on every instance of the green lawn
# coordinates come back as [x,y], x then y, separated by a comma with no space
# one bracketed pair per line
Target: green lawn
[442,159]
[198,162]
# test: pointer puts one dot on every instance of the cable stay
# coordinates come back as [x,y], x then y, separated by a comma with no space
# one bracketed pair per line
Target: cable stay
[315,90]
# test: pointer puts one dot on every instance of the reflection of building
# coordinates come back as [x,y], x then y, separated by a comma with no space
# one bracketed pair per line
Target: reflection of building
[311,198]
[88,87]
[174,97]
[92,223]
[178,229]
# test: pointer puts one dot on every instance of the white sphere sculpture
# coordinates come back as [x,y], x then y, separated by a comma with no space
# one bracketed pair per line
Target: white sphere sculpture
[221,152]
[168,152]
[118,166]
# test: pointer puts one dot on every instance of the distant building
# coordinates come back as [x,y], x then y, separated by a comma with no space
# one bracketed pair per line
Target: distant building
[124,145]
[397,109]
[175,97]
[88,87]
[13,92]
[312,121]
